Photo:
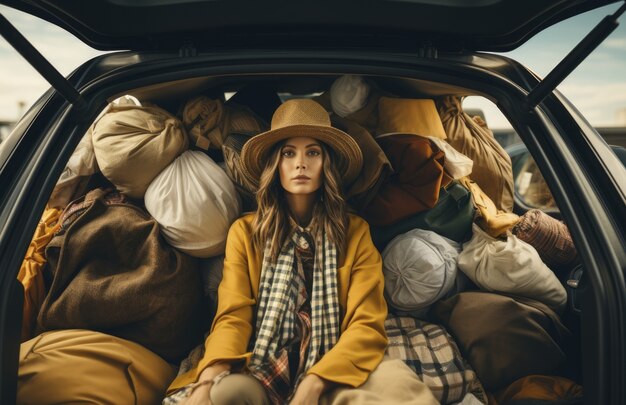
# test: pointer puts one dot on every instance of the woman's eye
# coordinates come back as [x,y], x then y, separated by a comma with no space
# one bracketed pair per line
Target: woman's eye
[287,153]
[314,153]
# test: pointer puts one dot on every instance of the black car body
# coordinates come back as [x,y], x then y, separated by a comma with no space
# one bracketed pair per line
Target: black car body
[415,49]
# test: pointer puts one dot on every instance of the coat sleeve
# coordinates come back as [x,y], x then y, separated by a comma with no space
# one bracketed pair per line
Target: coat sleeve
[363,341]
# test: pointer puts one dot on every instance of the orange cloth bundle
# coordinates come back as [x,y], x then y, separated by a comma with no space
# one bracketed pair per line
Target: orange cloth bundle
[414,185]
[540,387]
[31,275]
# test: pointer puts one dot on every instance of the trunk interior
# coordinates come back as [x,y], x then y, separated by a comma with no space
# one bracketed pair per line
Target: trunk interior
[262,93]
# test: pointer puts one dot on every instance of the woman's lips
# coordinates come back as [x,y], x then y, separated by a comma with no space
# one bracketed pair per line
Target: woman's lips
[301,178]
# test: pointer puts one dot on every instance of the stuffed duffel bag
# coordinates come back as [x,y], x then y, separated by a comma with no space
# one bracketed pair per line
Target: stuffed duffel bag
[114,273]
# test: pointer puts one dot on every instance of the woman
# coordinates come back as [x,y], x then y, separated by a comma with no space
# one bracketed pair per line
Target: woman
[301,307]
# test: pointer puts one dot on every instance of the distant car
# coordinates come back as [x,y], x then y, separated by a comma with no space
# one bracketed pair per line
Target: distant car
[168,51]
[530,187]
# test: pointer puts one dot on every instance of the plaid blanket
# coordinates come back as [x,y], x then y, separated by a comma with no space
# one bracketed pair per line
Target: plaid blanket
[434,356]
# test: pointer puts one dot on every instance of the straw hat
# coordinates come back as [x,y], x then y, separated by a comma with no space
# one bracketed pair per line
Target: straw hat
[302,117]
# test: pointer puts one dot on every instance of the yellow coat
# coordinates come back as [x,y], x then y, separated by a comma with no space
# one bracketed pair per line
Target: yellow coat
[363,309]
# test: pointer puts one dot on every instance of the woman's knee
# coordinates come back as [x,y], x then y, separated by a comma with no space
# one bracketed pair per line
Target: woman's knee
[238,389]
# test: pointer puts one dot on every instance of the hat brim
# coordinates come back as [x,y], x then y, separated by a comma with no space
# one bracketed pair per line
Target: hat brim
[256,150]
[386,134]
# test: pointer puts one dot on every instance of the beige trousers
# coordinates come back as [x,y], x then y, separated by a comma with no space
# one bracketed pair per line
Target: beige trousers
[238,389]
[393,383]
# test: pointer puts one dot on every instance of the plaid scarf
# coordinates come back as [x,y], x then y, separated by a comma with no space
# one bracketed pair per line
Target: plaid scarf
[277,314]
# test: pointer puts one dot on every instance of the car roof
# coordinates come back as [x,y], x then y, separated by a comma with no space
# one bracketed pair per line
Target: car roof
[479,25]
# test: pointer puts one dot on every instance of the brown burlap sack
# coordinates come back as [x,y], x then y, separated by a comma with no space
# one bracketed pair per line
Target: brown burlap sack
[208,122]
[114,273]
[245,187]
[549,236]
[376,165]
[492,165]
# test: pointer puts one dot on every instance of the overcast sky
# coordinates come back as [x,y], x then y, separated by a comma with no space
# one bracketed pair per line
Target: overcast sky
[597,87]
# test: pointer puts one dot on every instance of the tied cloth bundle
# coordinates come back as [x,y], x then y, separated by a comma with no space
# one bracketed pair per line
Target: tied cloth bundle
[208,122]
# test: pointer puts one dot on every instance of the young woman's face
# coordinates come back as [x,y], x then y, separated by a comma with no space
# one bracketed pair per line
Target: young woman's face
[300,165]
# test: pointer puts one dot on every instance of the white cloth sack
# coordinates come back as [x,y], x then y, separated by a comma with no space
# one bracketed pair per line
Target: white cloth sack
[195,203]
[419,268]
[348,94]
[456,164]
[510,266]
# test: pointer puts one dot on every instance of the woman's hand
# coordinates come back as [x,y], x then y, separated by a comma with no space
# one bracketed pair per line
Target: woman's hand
[199,396]
[201,393]
[309,391]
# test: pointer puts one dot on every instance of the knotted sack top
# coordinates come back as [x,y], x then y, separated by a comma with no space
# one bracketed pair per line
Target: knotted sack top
[420,268]
[133,144]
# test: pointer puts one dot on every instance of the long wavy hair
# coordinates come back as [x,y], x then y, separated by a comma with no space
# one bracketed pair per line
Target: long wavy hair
[271,221]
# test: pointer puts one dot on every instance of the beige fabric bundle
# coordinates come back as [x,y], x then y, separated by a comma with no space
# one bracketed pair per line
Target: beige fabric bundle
[510,266]
[82,165]
[392,383]
[82,366]
[133,144]
[208,122]
[492,165]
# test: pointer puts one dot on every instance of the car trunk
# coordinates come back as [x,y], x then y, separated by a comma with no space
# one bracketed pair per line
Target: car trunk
[567,149]
[171,82]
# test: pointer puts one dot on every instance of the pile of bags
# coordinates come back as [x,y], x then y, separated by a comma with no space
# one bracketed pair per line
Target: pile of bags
[454,253]
[466,279]
[123,258]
